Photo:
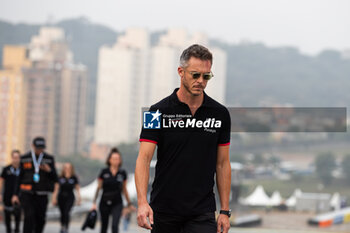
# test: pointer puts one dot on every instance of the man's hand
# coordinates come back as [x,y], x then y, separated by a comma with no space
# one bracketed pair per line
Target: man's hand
[223,223]
[145,211]
[15,200]
[54,201]
[0,197]
[45,167]
[94,207]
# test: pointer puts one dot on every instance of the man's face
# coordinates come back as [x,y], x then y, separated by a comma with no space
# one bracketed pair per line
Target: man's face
[194,86]
[16,158]
[37,151]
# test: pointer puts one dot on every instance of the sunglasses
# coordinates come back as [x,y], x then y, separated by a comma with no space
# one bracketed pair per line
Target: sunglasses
[197,75]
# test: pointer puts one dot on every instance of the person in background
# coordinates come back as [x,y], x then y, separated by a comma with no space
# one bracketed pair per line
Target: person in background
[127,211]
[8,180]
[64,194]
[112,180]
[35,182]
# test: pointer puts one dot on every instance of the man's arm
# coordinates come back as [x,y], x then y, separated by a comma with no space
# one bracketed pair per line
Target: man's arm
[15,198]
[77,188]
[54,194]
[141,180]
[50,169]
[1,184]
[223,182]
[99,187]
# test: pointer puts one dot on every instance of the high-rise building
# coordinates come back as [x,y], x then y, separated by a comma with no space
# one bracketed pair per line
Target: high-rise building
[72,109]
[165,60]
[122,78]
[11,101]
[60,93]
[216,87]
[41,118]
[42,93]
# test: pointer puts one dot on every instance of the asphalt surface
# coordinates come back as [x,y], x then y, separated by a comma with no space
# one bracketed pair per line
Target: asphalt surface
[75,227]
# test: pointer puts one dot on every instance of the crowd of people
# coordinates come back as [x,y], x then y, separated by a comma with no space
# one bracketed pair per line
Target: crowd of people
[26,184]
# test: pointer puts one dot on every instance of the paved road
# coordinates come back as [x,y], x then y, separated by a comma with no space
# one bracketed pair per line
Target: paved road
[53,227]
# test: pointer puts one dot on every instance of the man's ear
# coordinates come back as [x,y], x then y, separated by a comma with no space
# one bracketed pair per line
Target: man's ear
[180,71]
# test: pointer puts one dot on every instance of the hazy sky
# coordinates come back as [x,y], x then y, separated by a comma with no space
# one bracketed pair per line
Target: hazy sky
[311,25]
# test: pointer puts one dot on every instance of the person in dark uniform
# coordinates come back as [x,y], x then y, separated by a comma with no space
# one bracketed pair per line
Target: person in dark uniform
[36,180]
[192,136]
[112,180]
[8,180]
[67,182]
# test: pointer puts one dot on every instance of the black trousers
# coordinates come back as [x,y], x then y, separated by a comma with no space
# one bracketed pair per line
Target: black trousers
[8,213]
[65,203]
[107,210]
[168,223]
[34,208]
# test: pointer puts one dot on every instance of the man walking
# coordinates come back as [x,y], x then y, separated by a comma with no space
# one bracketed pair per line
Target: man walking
[8,179]
[36,180]
[193,145]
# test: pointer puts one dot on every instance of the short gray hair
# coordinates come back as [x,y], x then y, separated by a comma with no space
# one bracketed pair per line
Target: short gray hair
[197,51]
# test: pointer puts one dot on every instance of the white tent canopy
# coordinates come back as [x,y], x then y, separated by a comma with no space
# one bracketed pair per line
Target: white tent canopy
[276,199]
[257,198]
[88,192]
[335,201]
[292,200]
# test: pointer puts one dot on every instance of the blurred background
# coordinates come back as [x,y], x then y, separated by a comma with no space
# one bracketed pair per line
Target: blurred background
[79,72]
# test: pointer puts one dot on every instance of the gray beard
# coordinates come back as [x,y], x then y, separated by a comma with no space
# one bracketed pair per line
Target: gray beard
[189,90]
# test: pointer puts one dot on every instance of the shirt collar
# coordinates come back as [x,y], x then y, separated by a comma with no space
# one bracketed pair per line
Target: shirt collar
[175,99]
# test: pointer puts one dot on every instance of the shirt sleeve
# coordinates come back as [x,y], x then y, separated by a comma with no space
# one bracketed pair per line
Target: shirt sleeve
[3,173]
[53,172]
[225,132]
[100,176]
[19,178]
[76,180]
[125,175]
[150,135]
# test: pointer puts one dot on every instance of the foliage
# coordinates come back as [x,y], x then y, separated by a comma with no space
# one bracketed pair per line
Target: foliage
[258,159]
[325,164]
[346,167]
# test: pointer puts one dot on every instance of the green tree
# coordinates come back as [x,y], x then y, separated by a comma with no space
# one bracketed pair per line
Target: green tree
[325,164]
[346,167]
[258,159]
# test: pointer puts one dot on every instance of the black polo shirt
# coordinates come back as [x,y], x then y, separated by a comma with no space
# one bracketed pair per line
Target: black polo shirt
[113,184]
[10,176]
[67,185]
[186,154]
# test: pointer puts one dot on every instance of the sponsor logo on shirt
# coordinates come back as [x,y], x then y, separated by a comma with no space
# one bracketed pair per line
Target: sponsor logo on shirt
[192,123]
[120,178]
[152,120]
[27,165]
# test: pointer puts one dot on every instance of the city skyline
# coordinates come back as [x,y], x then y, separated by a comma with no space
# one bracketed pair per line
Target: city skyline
[311,26]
